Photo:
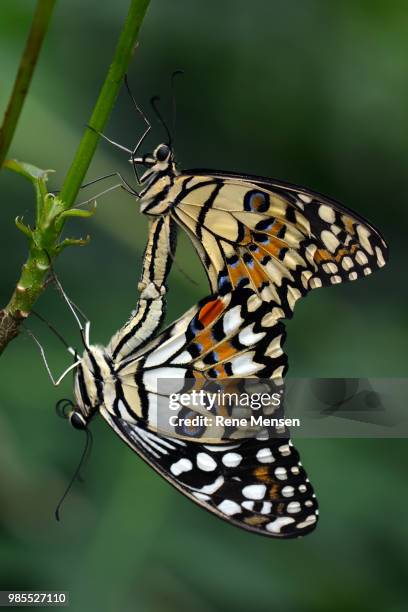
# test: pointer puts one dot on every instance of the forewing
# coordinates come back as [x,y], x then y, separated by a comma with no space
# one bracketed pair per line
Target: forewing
[257,485]
[279,239]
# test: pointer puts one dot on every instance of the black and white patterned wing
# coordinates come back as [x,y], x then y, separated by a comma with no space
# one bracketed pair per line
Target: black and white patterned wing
[222,341]
[259,486]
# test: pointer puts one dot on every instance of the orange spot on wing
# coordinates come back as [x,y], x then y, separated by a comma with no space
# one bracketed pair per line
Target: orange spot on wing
[210,312]
[322,255]
[205,339]
[276,227]
[274,492]
[349,225]
[262,473]
[225,350]
[274,246]
[220,371]
[258,276]
[256,519]
[237,272]
[347,251]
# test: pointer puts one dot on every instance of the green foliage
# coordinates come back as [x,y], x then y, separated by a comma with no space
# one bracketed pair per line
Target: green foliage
[313,92]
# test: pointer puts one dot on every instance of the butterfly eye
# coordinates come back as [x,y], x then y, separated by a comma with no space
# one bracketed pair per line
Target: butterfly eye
[77,420]
[162,153]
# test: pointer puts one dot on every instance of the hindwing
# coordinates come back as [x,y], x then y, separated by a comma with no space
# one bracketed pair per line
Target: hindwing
[223,340]
[257,485]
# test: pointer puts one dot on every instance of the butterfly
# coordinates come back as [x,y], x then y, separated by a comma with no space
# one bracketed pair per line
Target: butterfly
[256,483]
[279,239]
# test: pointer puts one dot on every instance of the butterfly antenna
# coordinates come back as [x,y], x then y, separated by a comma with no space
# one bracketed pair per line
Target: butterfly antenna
[154,102]
[84,457]
[135,104]
[145,133]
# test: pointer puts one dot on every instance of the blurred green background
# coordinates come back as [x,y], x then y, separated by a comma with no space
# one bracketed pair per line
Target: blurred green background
[312,92]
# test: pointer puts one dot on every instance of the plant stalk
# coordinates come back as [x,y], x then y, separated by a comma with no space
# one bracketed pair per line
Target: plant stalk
[38,30]
[35,271]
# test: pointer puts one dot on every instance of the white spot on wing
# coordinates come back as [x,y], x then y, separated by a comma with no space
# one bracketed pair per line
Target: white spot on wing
[307,522]
[315,282]
[364,235]
[326,213]
[329,240]
[380,257]
[247,336]
[231,459]
[276,525]
[232,320]
[201,496]
[212,487]
[293,507]
[347,263]
[248,505]
[205,462]
[264,455]
[281,473]
[256,491]
[361,258]
[229,507]
[304,197]
[182,465]
[266,508]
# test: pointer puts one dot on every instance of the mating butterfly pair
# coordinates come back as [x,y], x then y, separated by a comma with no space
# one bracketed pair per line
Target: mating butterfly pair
[264,245]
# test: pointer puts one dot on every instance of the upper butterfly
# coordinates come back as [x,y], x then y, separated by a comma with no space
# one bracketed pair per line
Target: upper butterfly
[279,239]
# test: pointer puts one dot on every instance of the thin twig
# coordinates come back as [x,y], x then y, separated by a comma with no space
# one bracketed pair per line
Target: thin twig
[105,102]
[39,28]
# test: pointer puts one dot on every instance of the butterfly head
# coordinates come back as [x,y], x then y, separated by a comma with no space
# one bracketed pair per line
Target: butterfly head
[89,386]
[157,178]
[67,409]
[160,161]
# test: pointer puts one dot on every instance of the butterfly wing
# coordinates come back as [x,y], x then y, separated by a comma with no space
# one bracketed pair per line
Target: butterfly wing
[279,239]
[255,485]
[222,340]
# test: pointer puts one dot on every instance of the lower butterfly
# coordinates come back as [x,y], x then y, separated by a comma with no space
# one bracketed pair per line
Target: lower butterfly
[256,483]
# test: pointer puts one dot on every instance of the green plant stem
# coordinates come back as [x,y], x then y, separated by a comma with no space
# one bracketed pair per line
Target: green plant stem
[105,102]
[34,272]
[39,27]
